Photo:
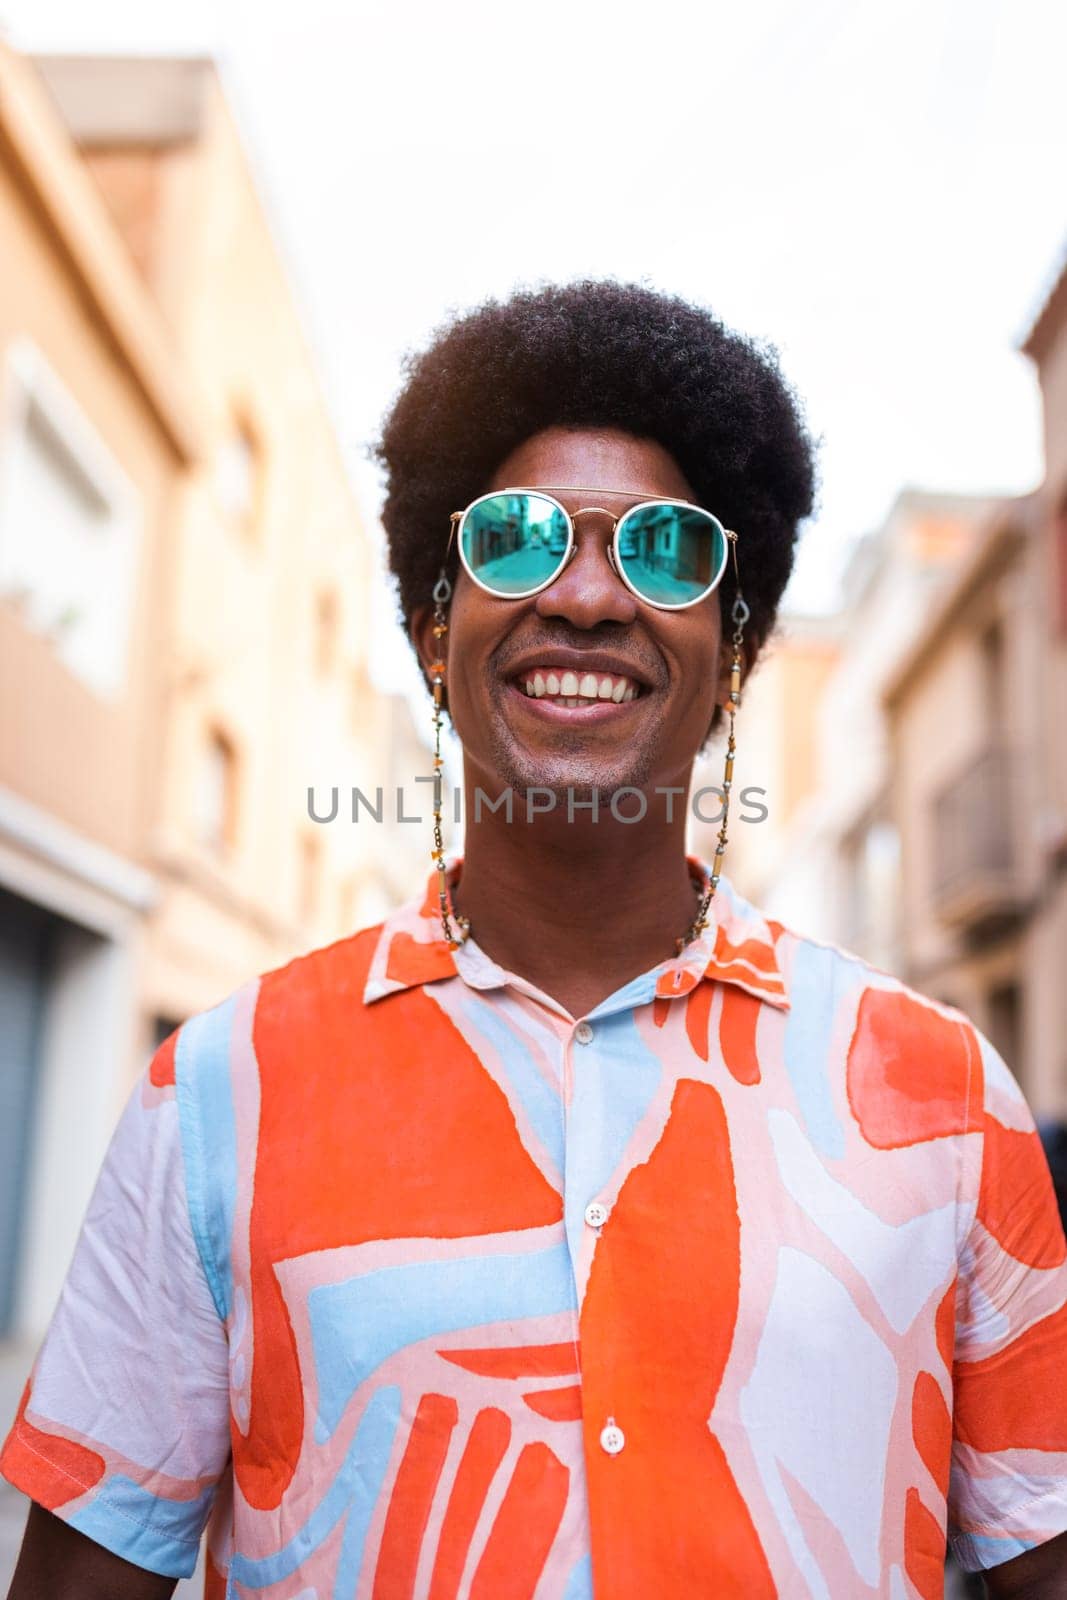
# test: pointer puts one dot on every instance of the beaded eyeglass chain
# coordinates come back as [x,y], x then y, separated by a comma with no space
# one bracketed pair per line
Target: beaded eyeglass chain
[442,594]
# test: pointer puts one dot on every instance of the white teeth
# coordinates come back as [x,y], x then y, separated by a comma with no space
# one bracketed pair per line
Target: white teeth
[568,689]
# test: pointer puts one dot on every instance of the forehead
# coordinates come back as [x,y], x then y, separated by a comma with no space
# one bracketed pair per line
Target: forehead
[592,458]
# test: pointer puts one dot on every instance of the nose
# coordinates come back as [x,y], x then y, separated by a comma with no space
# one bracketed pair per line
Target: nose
[589,590]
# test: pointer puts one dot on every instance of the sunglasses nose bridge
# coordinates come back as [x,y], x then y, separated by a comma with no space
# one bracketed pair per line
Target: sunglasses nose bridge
[609,548]
[584,511]
[581,590]
[602,511]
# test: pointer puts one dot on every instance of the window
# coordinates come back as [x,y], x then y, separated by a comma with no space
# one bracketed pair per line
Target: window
[992,649]
[1005,1009]
[216,798]
[237,472]
[871,856]
[69,526]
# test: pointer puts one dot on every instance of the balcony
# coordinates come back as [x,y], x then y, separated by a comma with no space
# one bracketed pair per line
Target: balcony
[976,880]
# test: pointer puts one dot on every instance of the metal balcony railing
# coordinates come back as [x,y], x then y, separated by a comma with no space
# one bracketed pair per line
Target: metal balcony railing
[975,876]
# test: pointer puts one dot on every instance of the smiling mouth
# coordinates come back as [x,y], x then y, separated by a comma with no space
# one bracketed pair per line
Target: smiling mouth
[563,687]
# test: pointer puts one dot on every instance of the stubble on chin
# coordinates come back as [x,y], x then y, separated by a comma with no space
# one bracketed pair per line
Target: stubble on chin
[570,769]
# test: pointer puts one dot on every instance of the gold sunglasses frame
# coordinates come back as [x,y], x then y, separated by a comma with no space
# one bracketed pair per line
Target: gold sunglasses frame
[458,518]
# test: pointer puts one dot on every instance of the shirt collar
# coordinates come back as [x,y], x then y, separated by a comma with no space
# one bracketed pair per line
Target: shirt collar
[738,947]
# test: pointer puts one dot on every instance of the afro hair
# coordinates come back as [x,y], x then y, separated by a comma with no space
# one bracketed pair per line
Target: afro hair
[596,354]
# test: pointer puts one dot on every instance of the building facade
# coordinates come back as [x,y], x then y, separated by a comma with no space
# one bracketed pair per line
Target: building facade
[184,619]
[813,732]
[979,741]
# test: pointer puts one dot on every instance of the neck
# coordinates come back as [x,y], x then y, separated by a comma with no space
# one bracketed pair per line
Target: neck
[577,908]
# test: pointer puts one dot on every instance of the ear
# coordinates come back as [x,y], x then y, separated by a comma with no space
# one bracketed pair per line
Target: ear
[429,648]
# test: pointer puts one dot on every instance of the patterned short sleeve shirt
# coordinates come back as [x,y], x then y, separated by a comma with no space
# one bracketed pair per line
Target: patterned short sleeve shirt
[411,1286]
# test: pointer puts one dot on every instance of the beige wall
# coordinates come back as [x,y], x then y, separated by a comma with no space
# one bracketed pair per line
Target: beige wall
[1053,375]
[944,712]
[242,649]
[1049,641]
[944,707]
[812,731]
[228,634]
[939,730]
[777,748]
[158,250]
[77,763]
[63,747]
[144,272]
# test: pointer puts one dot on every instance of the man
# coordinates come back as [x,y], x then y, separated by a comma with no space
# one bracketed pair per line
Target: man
[576,1232]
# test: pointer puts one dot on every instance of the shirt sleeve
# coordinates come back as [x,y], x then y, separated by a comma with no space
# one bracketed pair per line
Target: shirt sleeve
[1008,1485]
[123,1430]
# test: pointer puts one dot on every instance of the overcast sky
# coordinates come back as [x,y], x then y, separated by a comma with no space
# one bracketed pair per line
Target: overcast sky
[878,189]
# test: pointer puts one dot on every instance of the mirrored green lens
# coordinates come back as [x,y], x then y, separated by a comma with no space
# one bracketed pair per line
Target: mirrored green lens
[514,542]
[671,554]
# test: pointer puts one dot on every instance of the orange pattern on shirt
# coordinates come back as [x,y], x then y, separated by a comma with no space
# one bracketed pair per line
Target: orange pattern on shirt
[411,1062]
[667,1357]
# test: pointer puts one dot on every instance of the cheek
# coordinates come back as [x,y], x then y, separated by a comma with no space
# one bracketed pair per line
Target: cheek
[470,640]
[460,641]
[701,707]
[696,652]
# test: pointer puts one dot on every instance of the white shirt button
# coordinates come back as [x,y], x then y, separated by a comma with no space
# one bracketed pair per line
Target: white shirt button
[583,1033]
[612,1437]
[596,1213]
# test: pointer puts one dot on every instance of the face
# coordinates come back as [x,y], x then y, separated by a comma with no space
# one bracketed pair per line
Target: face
[586,621]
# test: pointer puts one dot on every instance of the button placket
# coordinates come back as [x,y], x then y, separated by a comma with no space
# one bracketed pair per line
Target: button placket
[594,1214]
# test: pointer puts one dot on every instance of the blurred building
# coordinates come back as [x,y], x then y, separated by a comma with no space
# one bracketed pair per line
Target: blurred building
[980,761]
[775,772]
[913,749]
[184,592]
[813,732]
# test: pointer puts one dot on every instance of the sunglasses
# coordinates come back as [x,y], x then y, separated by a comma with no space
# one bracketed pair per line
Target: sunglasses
[515,542]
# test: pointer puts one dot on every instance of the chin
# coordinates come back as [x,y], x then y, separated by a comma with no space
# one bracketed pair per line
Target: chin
[562,762]
[561,774]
